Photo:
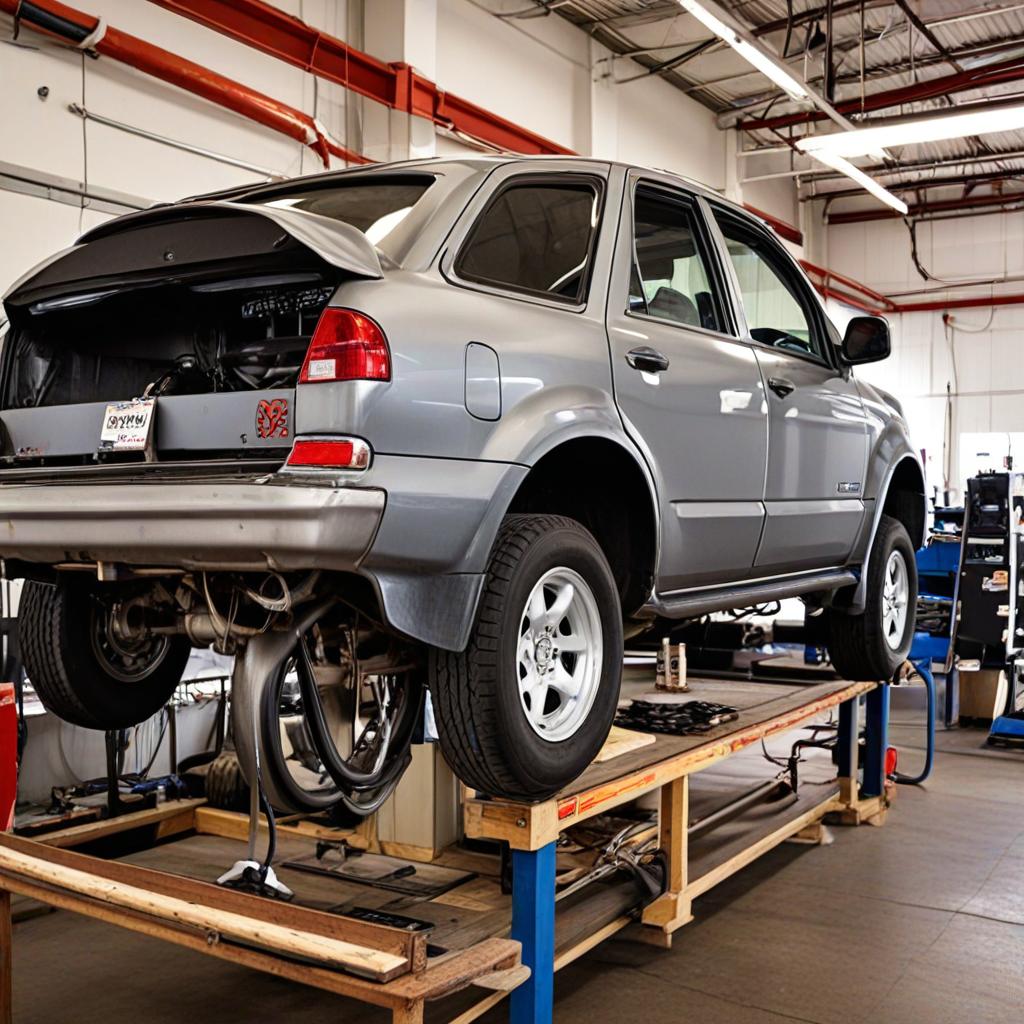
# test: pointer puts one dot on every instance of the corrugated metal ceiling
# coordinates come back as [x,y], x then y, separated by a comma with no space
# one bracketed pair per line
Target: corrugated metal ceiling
[876,48]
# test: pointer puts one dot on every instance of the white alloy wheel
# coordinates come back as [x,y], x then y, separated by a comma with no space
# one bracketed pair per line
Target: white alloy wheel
[895,598]
[559,654]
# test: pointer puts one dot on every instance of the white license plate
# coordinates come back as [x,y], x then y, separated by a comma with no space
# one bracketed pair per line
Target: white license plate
[128,426]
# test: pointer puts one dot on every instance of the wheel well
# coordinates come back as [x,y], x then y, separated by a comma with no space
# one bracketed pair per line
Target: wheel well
[904,499]
[599,484]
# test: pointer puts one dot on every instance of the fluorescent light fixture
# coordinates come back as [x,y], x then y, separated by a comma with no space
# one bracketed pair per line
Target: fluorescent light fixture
[752,52]
[863,141]
[866,182]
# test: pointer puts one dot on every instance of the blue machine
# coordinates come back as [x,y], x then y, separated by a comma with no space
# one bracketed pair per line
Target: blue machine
[938,571]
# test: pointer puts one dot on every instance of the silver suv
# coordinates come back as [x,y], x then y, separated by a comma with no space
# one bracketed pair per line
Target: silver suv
[457,424]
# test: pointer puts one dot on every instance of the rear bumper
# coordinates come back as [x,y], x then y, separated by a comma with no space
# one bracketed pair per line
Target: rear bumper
[222,525]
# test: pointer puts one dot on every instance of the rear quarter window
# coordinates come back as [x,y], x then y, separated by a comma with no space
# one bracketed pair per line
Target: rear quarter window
[536,237]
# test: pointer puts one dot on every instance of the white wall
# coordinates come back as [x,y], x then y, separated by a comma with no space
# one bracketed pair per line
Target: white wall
[978,355]
[42,135]
[549,76]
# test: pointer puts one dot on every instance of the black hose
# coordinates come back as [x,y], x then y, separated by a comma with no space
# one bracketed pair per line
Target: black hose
[344,777]
[37,17]
[271,832]
[929,685]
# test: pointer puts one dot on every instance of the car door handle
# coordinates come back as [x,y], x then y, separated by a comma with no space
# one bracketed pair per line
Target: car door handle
[781,386]
[647,359]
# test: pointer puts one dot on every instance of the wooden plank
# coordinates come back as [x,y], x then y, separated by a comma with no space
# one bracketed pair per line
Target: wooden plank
[76,835]
[623,741]
[6,981]
[306,974]
[449,975]
[394,940]
[672,909]
[212,821]
[332,951]
[530,826]
[750,853]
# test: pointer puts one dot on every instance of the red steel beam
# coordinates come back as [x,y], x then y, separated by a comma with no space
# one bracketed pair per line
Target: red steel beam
[272,31]
[977,302]
[962,81]
[784,230]
[82,30]
[926,209]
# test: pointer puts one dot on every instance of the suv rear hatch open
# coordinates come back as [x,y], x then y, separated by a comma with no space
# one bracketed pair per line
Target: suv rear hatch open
[210,306]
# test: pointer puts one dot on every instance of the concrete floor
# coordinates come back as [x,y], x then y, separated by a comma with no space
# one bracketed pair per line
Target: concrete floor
[919,922]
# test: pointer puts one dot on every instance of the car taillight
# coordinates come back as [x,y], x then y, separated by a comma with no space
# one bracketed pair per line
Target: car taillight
[330,453]
[346,345]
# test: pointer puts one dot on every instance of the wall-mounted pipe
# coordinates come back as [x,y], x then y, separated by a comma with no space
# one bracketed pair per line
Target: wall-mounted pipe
[270,30]
[87,32]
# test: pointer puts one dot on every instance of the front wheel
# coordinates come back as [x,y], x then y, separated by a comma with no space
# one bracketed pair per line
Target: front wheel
[875,643]
[526,707]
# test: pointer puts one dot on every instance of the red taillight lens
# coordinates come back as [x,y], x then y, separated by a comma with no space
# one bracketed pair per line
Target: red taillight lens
[346,345]
[892,759]
[350,453]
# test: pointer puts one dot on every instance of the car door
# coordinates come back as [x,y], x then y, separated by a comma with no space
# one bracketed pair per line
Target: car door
[818,431]
[688,388]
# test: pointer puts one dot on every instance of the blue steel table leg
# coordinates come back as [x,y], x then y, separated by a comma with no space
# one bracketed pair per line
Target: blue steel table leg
[533,924]
[876,740]
[847,738]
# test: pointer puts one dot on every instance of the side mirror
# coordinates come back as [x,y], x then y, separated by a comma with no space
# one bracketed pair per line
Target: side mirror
[867,340]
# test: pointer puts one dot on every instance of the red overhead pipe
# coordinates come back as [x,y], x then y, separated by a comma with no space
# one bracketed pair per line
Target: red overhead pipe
[87,32]
[272,31]
[926,209]
[784,230]
[962,81]
[976,302]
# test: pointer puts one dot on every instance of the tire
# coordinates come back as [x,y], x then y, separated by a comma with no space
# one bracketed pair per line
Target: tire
[483,719]
[867,646]
[56,629]
[257,733]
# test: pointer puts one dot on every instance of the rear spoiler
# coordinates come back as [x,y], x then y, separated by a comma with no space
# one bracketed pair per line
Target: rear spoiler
[334,241]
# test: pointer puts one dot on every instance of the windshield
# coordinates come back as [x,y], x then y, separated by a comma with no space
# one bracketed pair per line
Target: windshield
[374,205]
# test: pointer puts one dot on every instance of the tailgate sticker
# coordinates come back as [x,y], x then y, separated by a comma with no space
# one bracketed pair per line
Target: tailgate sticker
[272,418]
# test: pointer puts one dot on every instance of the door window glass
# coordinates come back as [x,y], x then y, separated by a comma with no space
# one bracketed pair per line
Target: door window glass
[777,314]
[670,278]
[535,237]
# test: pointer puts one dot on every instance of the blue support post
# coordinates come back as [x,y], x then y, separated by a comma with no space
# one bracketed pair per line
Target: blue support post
[848,737]
[876,740]
[533,924]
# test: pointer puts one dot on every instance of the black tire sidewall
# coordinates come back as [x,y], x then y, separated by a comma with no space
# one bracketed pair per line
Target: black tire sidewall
[540,764]
[55,624]
[893,537]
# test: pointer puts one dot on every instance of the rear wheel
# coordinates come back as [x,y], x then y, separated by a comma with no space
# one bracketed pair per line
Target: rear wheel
[526,707]
[82,671]
[875,643]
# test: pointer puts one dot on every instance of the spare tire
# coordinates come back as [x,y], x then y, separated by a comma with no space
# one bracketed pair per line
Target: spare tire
[81,672]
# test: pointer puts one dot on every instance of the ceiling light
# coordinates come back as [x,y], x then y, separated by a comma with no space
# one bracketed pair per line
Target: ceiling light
[751,51]
[844,166]
[862,141]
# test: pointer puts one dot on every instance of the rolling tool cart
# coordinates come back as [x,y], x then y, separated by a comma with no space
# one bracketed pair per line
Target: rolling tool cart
[990,631]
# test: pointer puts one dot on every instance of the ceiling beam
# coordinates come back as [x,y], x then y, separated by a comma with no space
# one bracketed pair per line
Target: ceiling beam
[962,81]
[926,209]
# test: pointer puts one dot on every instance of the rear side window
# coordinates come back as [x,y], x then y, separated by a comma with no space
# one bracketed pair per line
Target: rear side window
[670,278]
[535,237]
[374,205]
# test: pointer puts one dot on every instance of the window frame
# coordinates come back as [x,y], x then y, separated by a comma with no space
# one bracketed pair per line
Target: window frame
[706,247]
[600,189]
[791,274]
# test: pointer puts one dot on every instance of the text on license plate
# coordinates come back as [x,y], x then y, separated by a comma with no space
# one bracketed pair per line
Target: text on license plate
[127,426]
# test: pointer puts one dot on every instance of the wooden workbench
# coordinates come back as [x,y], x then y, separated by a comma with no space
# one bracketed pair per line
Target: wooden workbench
[165,891]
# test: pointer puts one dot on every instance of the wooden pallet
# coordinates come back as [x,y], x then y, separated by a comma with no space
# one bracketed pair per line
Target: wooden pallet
[666,766]
[383,966]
